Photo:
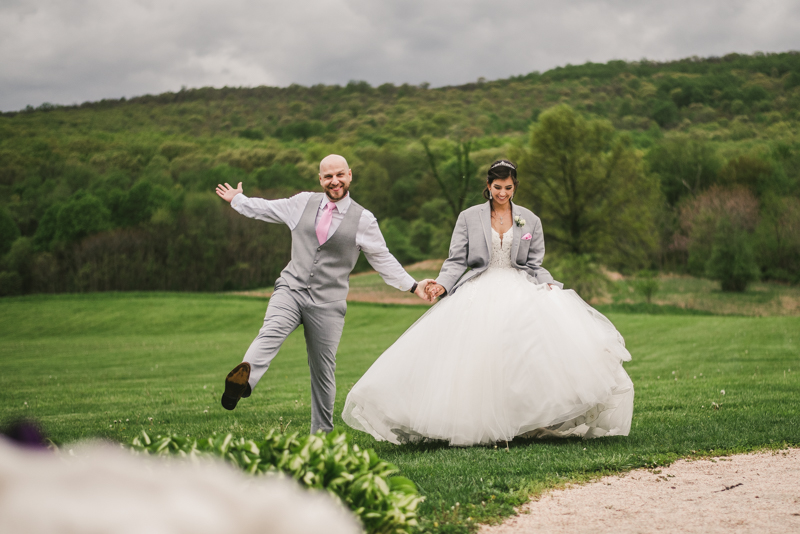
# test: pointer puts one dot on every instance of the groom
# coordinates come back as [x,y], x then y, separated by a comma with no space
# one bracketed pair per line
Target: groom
[328,232]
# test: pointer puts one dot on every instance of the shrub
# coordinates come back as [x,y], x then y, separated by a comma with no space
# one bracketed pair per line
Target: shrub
[588,184]
[9,231]
[132,207]
[421,234]
[751,172]
[700,217]
[792,81]
[300,130]
[755,93]
[20,260]
[732,261]
[252,133]
[281,176]
[685,165]
[738,107]
[397,235]
[10,283]
[174,149]
[372,187]
[248,159]
[362,481]
[581,273]
[777,239]
[83,215]
[46,231]
[665,113]
[647,284]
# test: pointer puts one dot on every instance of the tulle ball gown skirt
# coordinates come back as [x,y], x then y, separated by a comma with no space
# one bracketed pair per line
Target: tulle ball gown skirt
[500,358]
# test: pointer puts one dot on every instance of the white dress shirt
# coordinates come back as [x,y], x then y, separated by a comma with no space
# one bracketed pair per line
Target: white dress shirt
[368,235]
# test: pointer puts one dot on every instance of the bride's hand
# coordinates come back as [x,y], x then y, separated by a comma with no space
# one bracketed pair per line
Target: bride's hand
[434,290]
[423,290]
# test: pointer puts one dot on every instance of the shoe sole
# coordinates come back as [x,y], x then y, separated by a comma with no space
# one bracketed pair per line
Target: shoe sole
[235,385]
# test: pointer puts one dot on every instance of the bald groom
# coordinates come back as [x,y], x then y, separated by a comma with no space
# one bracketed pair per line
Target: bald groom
[329,230]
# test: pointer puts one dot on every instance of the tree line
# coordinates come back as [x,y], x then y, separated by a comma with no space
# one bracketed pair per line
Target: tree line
[688,166]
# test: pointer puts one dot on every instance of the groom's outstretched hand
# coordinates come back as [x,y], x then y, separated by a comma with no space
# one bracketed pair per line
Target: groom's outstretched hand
[421,292]
[227,192]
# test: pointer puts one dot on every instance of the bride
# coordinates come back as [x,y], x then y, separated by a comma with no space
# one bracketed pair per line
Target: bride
[506,353]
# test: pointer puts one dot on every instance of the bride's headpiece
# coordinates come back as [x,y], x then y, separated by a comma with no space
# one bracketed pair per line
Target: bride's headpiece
[502,164]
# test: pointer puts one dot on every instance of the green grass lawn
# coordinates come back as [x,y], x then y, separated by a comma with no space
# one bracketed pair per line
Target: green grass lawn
[109,365]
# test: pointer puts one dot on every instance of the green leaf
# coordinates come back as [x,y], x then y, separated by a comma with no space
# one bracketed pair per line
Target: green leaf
[358,478]
[402,485]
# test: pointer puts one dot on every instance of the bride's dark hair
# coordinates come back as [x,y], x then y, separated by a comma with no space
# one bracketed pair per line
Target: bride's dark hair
[500,170]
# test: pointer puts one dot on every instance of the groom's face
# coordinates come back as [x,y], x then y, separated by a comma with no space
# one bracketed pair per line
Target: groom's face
[335,177]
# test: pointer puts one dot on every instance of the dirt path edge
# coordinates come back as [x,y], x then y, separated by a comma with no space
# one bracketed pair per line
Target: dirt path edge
[755,492]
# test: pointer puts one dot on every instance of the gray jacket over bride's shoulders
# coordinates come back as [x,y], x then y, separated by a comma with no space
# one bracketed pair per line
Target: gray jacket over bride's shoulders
[471,245]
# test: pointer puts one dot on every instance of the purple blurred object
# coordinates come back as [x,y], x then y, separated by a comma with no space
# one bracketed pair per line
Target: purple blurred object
[26,433]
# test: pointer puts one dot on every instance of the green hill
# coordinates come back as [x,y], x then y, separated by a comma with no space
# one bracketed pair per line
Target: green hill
[117,194]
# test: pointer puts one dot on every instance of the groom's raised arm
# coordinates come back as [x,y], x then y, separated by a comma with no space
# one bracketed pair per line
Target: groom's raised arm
[283,210]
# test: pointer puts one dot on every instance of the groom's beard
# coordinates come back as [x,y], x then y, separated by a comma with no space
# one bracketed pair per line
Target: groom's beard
[342,192]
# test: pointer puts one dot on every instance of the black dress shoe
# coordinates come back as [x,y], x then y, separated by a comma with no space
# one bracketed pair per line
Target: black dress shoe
[236,386]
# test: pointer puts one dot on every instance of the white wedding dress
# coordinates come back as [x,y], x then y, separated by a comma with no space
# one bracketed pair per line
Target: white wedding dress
[502,357]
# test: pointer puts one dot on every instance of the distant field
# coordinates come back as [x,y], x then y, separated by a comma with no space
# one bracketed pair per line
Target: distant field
[760,299]
[685,292]
[109,365]
[370,287]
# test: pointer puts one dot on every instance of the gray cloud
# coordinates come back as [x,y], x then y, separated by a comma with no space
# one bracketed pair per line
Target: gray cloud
[70,51]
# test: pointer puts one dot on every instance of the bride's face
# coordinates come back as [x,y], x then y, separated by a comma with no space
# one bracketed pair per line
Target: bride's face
[502,191]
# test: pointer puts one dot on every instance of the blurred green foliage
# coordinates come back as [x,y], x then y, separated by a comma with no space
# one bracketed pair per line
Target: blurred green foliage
[614,157]
[358,479]
[732,261]
[647,283]
[589,187]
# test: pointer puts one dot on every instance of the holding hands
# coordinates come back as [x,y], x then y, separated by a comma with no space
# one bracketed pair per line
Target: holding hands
[428,290]
[434,290]
[425,290]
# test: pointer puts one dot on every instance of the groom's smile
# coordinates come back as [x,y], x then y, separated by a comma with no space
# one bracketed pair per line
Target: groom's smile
[335,176]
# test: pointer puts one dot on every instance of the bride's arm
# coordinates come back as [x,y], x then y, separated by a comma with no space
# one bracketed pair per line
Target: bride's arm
[456,263]
[536,255]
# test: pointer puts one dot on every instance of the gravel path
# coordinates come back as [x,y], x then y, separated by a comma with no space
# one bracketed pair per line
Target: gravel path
[758,493]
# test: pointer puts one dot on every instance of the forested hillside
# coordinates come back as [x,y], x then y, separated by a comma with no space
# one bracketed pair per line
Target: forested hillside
[689,166]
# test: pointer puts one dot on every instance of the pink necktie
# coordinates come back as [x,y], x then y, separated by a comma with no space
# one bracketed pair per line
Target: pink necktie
[325,223]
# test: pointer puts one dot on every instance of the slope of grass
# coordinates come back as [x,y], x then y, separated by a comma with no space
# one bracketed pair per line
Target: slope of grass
[110,365]
[690,293]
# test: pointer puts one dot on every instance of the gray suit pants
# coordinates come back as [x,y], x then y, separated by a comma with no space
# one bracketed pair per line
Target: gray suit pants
[323,325]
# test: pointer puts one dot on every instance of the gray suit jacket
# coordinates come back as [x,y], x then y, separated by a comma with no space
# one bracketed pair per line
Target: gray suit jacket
[471,246]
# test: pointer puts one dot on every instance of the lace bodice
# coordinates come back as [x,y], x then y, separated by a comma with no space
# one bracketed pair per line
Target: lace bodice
[501,254]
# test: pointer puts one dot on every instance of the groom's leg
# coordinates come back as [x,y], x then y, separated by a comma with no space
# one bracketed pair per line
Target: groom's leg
[282,318]
[323,324]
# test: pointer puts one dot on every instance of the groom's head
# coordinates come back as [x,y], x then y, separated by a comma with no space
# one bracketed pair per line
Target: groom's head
[335,176]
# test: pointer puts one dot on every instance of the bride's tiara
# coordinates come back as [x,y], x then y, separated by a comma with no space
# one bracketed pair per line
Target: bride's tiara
[502,164]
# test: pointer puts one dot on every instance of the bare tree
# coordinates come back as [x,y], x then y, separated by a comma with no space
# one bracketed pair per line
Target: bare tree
[456,176]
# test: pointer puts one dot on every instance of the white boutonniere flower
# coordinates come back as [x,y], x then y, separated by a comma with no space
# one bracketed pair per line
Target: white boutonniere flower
[519,220]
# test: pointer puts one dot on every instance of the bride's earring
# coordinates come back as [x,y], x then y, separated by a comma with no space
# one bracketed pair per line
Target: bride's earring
[490,195]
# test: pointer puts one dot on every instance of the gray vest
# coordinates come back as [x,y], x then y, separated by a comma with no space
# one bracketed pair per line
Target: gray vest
[323,270]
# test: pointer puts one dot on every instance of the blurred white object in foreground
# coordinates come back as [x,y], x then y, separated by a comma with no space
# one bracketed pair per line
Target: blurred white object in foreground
[105,489]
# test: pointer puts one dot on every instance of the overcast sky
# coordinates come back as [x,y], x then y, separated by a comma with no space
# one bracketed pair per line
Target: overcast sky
[72,51]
